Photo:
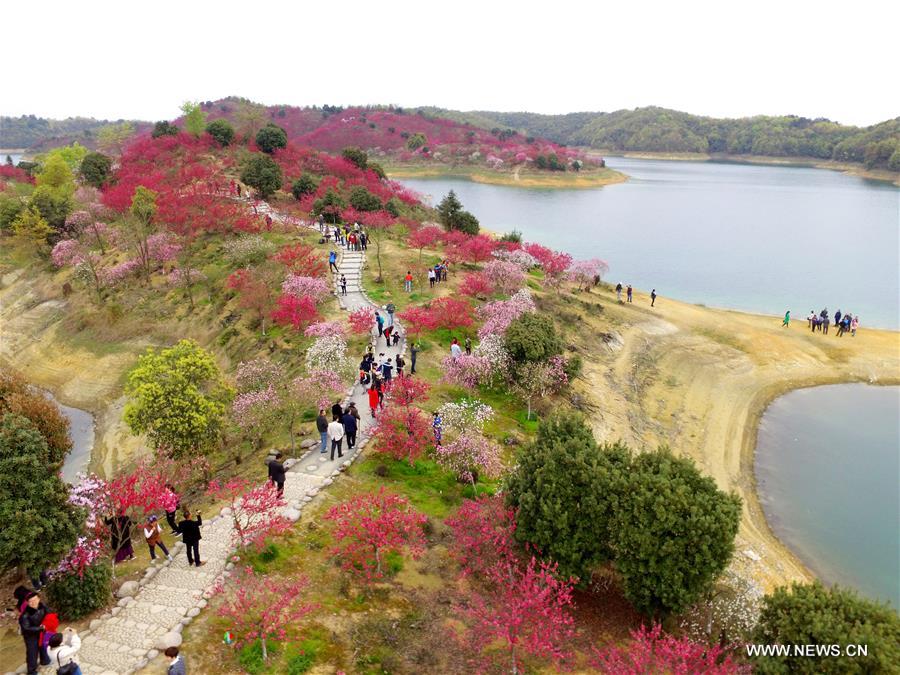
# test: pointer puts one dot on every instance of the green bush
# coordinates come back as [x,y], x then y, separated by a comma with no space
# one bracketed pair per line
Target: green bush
[363,200]
[95,168]
[814,615]
[74,597]
[222,131]
[565,490]
[300,663]
[357,156]
[250,656]
[532,338]
[305,185]
[673,533]
[271,137]
[572,367]
[164,128]
[262,174]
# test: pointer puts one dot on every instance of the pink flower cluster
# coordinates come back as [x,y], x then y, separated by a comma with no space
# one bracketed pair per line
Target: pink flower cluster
[185,275]
[324,328]
[467,453]
[256,374]
[322,383]
[518,257]
[362,320]
[118,273]
[505,277]
[67,252]
[78,220]
[86,552]
[162,248]
[584,272]
[252,408]
[312,287]
[498,315]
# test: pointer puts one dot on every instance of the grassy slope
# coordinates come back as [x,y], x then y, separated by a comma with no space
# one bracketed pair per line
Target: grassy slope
[518,177]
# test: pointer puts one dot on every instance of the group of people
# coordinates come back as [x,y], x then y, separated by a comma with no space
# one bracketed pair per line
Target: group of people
[436,274]
[344,424]
[384,324]
[629,294]
[456,350]
[843,322]
[352,238]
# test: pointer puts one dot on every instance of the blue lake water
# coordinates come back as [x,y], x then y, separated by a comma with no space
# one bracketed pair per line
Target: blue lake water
[750,237]
[828,476]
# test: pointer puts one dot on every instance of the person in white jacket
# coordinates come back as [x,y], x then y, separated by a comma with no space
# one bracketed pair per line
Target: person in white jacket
[63,647]
[336,434]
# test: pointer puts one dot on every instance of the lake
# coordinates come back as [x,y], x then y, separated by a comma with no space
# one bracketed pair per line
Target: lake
[755,238]
[81,433]
[828,475]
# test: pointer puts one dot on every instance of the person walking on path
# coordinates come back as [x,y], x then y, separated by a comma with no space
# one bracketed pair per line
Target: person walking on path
[336,434]
[787,320]
[343,285]
[628,292]
[373,399]
[32,613]
[190,535]
[619,292]
[400,364]
[437,426]
[332,261]
[387,370]
[153,535]
[468,346]
[431,277]
[854,324]
[322,428]
[407,281]
[176,662]
[379,322]
[336,411]
[455,350]
[413,352]
[350,428]
[353,411]
[62,652]
[276,472]
[170,515]
[653,297]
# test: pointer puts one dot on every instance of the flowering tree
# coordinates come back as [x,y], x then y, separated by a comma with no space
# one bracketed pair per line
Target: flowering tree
[470,455]
[325,328]
[526,610]
[313,287]
[406,391]
[652,651]
[476,285]
[368,526]
[255,509]
[253,293]
[584,273]
[162,247]
[488,363]
[498,315]
[402,431]
[88,263]
[423,237]
[87,550]
[477,248]
[484,535]
[506,277]
[450,313]
[320,385]
[253,412]
[537,379]
[328,354]
[262,607]
[301,259]
[417,319]
[465,414]
[291,310]
[554,263]
[361,320]
[518,257]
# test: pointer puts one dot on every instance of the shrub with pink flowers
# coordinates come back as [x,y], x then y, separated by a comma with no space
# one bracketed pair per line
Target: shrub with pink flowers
[67,252]
[585,272]
[518,257]
[506,277]
[498,315]
[162,247]
[312,287]
[468,455]
[116,274]
[325,328]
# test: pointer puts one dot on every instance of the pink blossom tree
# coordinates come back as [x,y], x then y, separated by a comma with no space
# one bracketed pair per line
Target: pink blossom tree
[554,263]
[427,236]
[585,273]
[368,526]
[537,379]
[506,277]
[361,320]
[476,285]
[312,287]
[470,455]
[498,315]
[325,328]
[483,536]
[255,509]
[262,607]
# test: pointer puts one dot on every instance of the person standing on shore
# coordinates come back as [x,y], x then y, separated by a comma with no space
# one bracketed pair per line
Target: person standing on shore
[190,535]
[653,297]
[787,319]
[628,292]
[619,292]
[854,324]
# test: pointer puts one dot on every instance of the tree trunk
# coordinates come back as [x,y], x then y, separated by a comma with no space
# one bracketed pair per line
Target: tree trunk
[378,562]
[529,409]
[265,652]
[291,431]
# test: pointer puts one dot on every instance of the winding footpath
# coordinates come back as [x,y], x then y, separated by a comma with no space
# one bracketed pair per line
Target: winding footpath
[151,613]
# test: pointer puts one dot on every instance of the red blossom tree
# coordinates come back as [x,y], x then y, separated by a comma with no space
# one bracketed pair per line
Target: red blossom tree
[293,311]
[417,319]
[653,651]
[483,535]
[301,259]
[427,236]
[402,433]
[450,313]
[361,320]
[262,607]
[368,526]
[473,249]
[476,285]
[554,263]
[254,293]
[405,391]
[255,509]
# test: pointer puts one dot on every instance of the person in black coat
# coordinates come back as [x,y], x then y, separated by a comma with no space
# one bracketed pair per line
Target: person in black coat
[337,411]
[31,620]
[276,472]
[190,534]
[349,422]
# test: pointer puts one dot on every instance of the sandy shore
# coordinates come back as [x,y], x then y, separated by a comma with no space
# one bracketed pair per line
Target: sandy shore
[518,177]
[699,380]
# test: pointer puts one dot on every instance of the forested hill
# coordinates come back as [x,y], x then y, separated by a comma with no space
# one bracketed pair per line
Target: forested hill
[655,129]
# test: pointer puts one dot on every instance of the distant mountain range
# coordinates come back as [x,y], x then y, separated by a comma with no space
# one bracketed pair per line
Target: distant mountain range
[650,129]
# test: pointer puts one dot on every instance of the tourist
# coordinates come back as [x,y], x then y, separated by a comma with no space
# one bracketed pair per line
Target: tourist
[153,536]
[32,613]
[62,652]
[407,281]
[432,277]
[336,434]
[120,535]
[379,322]
[445,267]
[825,324]
[170,515]
[455,350]
[468,346]
[343,285]
[619,292]
[332,261]
[350,428]
[190,536]
[322,428]
[336,410]
[176,663]
[854,324]
[373,399]
[653,297]
[837,318]
[387,370]
[276,472]
[400,364]
[364,241]
[413,352]
[353,411]
[395,336]
[628,293]
[787,319]
[810,320]
[436,427]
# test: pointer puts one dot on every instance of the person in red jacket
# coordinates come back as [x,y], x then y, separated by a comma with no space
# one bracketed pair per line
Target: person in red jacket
[373,399]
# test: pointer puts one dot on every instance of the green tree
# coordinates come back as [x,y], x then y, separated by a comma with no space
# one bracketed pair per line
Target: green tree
[222,131]
[271,137]
[392,206]
[41,524]
[112,138]
[141,224]
[55,173]
[54,205]
[177,397]
[31,226]
[164,128]
[305,185]
[10,208]
[416,141]
[72,155]
[363,200]
[357,156]
[466,222]
[814,615]
[453,217]
[75,596]
[262,173]
[377,169]
[565,491]
[532,338]
[329,206]
[95,169]
[673,534]
[194,118]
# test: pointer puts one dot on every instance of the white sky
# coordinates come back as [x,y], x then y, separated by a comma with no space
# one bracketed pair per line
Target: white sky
[140,60]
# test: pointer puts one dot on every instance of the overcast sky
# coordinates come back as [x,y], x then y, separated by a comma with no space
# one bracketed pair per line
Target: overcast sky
[142,60]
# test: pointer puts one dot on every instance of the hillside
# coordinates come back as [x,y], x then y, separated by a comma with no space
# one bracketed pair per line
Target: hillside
[659,130]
